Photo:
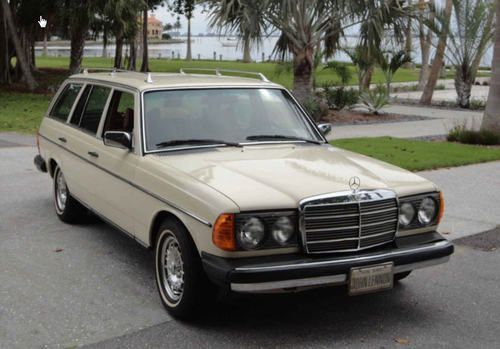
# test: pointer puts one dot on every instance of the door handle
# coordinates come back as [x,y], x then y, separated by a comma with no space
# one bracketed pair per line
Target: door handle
[62,139]
[93,154]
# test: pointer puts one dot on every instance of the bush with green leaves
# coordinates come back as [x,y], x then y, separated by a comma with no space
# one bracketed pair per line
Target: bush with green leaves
[374,100]
[314,108]
[462,134]
[339,98]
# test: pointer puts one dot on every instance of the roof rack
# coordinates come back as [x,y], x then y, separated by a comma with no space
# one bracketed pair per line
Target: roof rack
[110,70]
[219,72]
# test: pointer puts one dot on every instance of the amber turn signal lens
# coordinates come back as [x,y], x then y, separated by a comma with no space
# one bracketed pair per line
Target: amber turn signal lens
[441,206]
[223,233]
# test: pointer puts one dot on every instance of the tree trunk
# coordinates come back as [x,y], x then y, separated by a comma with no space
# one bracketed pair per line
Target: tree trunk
[5,77]
[188,52]
[409,39]
[437,64]
[78,34]
[463,86]
[20,52]
[45,41]
[425,48]
[247,56]
[145,57]
[132,63]
[302,74]
[366,78]
[118,53]
[105,43]
[491,118]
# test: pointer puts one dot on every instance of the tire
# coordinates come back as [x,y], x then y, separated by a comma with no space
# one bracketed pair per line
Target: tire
[184,288]
[67,208]
[401,276]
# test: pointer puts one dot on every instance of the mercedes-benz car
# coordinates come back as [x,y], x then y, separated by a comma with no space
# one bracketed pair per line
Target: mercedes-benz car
[233,186]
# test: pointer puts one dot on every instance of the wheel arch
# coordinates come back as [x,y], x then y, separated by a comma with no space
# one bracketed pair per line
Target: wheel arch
[52,165]
[159,217]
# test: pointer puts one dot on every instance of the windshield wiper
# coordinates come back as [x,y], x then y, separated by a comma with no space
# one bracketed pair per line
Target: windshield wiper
[283,137]
[175,142]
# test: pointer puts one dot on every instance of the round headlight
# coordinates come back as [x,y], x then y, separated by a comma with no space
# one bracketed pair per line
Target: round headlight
[251,233]
[283,230]
[406,214]
[427,211]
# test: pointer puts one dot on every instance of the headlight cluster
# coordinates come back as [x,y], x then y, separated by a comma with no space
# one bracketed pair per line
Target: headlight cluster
[419,211]
[251,231]
[265,230]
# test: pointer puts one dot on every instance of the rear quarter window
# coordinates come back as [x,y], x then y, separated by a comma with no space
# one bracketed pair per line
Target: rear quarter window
[65,102]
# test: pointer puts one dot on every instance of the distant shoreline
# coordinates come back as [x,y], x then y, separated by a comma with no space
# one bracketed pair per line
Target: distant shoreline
[90,43]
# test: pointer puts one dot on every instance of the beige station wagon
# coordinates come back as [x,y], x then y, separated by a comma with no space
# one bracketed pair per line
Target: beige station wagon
[233,185]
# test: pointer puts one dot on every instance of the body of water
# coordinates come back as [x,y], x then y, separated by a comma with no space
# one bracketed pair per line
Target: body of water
[226,48]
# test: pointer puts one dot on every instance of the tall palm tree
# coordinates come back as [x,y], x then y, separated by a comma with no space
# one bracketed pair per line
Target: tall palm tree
[245,17]
[470,36]
[437,63]
[491,118]
[304,24]
[426,13]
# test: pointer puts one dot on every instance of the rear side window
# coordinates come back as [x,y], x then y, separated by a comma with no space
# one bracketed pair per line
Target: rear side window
[120,113]
[65,102]
[94,108]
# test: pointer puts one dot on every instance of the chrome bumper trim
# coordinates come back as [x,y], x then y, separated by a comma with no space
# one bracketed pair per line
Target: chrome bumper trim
[392,253]
[279,285]
[337,279]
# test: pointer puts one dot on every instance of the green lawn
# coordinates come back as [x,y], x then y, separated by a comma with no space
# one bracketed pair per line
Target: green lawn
[22,112]
[268,69]
[416,155]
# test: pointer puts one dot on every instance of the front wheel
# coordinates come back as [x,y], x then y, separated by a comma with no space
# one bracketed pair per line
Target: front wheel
[67,208]
[183,286]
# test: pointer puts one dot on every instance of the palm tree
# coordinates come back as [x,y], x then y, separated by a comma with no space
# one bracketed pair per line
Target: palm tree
[426,13]
[390,62]
[364,65]
[437,64]
[470,36]
[491,118]
[246,17]
[186,8]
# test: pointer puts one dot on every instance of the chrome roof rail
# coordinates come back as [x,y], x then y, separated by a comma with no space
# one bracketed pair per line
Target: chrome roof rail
[219,72]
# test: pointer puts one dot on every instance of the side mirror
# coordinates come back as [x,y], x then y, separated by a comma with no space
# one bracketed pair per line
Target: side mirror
[118,139]
[325,129]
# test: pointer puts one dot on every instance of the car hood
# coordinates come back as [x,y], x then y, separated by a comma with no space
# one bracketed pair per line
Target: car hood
[261,177]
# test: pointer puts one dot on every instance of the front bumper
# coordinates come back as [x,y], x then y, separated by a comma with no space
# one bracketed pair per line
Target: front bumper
[282,272]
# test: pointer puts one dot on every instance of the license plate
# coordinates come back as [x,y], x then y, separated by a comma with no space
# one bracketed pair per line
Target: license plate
[371,278]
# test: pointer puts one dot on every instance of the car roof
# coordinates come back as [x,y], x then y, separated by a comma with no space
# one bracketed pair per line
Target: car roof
[145,81]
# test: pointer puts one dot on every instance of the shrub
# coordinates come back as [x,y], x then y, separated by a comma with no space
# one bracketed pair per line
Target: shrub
[314,108]
[477,104]
[462,134]
[339,98]
[374,100]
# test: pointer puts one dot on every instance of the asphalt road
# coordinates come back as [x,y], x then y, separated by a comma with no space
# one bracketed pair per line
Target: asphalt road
[63,286]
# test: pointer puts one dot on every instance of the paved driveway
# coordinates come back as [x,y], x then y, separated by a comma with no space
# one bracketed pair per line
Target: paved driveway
[63,285]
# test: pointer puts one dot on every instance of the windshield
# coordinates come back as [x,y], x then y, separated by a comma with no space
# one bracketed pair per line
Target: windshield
[222,116]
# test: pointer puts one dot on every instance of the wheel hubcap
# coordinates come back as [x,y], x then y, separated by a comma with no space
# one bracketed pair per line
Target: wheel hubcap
[172,268]
[61,191]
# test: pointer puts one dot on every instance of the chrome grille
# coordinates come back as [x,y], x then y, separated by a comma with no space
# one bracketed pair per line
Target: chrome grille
[347,221]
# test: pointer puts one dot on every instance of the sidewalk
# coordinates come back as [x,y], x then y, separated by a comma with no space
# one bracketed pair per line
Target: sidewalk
[439,123]
[471,194]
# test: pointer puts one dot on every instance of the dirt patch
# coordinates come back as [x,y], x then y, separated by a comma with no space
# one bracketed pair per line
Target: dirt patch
[487,241]
[355,117]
